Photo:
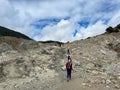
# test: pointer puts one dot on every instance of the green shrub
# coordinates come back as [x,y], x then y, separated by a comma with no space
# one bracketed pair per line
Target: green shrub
[118,26]
[110,29]
[116,30]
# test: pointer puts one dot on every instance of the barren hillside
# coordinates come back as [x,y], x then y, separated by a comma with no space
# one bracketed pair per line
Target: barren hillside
[31,65]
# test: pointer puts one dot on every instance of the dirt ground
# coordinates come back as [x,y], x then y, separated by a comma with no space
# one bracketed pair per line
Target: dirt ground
[76,83]
[57,83]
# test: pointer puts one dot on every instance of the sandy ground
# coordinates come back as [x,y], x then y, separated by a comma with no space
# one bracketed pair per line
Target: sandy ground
[57,83]
[77,84]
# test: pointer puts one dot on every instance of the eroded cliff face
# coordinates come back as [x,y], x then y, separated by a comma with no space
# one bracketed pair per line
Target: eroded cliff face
[37,65]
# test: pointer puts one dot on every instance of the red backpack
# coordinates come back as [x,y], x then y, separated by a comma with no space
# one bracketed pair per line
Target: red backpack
[68,65]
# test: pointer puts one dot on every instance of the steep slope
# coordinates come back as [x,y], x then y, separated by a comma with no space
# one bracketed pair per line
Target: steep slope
[96,63]
[41,66]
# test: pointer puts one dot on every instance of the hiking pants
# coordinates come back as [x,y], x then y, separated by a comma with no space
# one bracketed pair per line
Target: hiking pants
[69,73]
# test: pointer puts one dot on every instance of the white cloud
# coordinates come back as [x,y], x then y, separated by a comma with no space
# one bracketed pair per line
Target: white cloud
[115,20]
[46,8]
[20,14]
[13,19]
[62,31]
[91,30]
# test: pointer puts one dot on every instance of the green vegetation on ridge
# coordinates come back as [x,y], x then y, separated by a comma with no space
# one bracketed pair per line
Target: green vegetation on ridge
[7,32]
[111,29]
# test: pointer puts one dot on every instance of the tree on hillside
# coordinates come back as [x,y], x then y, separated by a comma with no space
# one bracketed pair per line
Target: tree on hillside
[118,26]
[111,29]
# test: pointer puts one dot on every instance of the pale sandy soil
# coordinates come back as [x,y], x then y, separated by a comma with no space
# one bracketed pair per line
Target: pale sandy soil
[57,83]
[77,83]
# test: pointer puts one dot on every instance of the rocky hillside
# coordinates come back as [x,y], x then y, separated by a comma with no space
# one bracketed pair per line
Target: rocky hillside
[30,65]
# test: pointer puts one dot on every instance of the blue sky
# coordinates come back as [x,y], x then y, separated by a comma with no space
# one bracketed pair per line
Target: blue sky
[59,20]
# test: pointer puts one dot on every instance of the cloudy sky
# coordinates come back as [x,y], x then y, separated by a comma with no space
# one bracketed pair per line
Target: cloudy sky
[59,20]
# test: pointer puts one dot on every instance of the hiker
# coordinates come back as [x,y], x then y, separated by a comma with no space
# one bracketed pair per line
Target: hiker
[69,68]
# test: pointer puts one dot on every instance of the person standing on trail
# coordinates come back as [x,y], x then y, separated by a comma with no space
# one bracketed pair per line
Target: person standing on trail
[69,68]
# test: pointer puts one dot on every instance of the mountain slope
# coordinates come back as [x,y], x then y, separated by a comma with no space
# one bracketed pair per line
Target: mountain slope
[41,65]
[7,32]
